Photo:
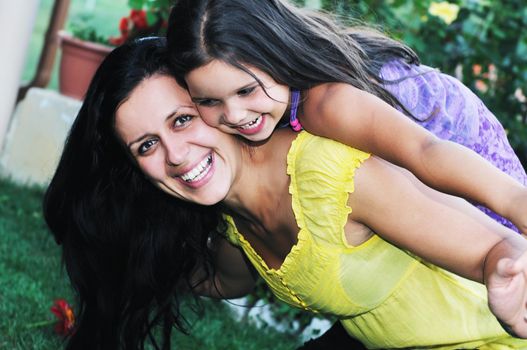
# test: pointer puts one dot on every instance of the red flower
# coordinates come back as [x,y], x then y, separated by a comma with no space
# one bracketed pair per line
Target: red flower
[138,17]
[65,315]
[123,25]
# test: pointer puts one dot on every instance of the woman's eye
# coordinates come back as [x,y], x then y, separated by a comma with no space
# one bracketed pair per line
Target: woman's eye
[182,120]
[246,91]
[145,146]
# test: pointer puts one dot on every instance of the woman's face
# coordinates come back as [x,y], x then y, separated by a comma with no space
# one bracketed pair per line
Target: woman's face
[172,145]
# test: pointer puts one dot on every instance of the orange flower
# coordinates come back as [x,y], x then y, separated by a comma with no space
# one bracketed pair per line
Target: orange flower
[66,317]
[481,86]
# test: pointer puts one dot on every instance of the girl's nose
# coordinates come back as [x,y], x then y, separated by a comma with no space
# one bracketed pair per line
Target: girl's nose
[233,114]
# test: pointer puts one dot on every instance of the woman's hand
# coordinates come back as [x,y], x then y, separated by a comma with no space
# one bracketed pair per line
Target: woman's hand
[507,294]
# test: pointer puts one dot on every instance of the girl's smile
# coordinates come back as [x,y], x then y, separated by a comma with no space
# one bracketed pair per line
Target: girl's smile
[237,102]
[253,127]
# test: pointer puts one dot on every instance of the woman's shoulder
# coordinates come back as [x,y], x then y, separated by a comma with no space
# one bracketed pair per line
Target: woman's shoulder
[321,174]
[315,162]
[307,147]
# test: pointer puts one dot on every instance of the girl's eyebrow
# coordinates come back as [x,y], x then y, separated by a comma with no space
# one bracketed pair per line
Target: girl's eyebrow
[196,99]
[169,115]
[199,99]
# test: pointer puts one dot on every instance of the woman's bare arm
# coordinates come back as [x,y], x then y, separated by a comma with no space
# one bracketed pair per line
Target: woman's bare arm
[234,275]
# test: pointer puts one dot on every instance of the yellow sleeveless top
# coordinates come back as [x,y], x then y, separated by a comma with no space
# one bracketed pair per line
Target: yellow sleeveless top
[384,296]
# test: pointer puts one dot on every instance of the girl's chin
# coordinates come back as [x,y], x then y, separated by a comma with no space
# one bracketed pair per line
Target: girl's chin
[263,135]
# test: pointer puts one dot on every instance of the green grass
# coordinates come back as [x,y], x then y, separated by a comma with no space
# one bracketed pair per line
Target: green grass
[104,16]
[30,273]
[31,278]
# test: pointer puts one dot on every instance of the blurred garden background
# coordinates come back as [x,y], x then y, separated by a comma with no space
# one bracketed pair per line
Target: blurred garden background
[481,42]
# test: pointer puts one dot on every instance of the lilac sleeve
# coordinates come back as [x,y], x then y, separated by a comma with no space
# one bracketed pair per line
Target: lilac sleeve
[447,108]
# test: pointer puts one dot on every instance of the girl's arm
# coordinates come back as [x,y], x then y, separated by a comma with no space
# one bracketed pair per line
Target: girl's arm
[234,275]
[447,231]
[364,121]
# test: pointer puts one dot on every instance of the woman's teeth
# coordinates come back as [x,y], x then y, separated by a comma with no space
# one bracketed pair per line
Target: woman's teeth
[255,123]
[199,171]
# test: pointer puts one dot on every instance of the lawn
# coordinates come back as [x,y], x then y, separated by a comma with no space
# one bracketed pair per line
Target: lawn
[31,278]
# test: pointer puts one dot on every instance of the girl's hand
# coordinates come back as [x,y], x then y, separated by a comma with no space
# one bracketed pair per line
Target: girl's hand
[507,294]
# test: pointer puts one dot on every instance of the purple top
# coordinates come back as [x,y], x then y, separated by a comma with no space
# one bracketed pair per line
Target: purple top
[448,109]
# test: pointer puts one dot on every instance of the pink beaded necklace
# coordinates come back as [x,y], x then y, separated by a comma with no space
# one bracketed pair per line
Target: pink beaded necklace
[293,120]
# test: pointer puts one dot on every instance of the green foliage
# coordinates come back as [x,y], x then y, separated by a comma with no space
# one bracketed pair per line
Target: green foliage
[155,9]
[85,27]
[487,34]
[81,28]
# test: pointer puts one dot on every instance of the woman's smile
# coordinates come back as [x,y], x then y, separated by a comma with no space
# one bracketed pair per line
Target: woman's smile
[200,174]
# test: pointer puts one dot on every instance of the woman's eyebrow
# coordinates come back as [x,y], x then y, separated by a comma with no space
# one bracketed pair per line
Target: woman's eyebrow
[168,116]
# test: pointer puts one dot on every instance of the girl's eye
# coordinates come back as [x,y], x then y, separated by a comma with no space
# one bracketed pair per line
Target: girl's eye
[246,91]
[206,102]
[145,146]
[182,120]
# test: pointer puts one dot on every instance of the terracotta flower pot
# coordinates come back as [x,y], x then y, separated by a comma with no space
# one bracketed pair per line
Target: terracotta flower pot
[79,61]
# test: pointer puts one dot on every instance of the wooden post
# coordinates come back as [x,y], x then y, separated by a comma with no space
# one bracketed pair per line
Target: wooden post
[49,50]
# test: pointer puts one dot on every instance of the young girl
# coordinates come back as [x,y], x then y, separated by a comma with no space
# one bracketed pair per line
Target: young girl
[250,64]
[131,251]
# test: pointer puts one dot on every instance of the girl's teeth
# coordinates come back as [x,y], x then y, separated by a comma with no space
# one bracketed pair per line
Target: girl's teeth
[252,124]
[199,171]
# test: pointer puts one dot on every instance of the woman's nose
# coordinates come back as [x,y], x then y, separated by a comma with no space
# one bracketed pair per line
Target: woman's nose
[176,152]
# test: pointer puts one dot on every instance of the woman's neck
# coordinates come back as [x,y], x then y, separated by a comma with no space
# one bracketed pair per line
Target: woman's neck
[262,180]
[262,208]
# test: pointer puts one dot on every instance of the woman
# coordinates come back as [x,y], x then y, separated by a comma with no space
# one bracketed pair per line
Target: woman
[136,120]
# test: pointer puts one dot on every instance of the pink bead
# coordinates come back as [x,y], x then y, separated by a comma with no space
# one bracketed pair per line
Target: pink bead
[295,125]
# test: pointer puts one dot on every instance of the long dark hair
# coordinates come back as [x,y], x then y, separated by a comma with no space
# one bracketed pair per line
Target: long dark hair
[297,47]
[128,248]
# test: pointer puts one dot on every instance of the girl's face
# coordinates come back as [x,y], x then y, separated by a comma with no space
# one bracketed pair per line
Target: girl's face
[233,101]
[172,145]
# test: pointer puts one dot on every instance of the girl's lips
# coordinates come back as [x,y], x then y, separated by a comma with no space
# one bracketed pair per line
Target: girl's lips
[253,127]
[200,174]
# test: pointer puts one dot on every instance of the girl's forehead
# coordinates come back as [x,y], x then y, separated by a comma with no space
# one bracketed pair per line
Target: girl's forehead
[218,75]
[221,75]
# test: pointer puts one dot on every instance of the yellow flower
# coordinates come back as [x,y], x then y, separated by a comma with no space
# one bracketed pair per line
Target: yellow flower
[444,10]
